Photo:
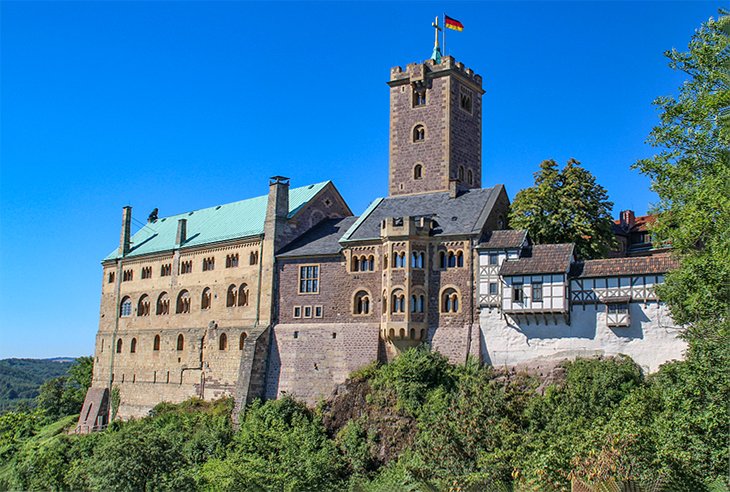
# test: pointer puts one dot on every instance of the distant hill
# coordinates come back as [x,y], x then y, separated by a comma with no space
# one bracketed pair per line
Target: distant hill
[21,378]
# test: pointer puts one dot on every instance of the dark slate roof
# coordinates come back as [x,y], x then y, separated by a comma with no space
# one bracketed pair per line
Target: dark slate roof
[320,240]
[504,240]
[540,258]
[465,214]
[612,267]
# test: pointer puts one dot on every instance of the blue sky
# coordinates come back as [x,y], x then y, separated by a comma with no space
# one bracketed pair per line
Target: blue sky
[183,105]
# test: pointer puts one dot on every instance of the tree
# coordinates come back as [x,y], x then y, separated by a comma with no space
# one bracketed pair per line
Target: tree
[691,175]
[566,206]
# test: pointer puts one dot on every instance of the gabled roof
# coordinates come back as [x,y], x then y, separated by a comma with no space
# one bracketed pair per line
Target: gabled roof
[540,258]
[214,224]
[465,214]
[612,267]
[321,240]
[503,239]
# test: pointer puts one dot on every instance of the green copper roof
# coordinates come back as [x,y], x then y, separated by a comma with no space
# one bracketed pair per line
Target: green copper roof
[214,224]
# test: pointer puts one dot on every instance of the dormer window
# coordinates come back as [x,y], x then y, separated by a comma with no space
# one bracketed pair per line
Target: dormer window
[419,133]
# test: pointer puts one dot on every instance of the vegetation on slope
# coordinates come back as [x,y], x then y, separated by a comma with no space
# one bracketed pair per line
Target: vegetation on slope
[21,378]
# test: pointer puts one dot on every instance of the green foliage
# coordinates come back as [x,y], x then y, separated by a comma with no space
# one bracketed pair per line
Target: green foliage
[691,175]
[566,206]
[412,376]
[64,395]
[279,446]
[20,379]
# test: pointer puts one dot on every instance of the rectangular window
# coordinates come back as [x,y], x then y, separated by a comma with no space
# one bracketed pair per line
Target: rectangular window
[317,311]
[537,292]
[307,311]
[297,311]
[493,288]
[493,258]
[111,277]
[309,279]
[517,292]
[419,96]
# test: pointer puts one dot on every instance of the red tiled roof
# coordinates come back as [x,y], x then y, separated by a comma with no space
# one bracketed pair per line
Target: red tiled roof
[541,258]
[641,224]
[612,267]
[503,239]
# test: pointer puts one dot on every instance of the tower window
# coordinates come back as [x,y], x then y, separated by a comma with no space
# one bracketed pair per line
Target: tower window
[419,133]
[465,100]
[419,96]
[461,173]
[418,171]
[126,307]
[470,177]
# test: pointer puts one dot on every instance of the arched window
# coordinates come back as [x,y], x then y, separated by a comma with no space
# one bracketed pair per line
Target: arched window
[119,345]
[156,343]
[355,263]
[143,305]
[183,302]
[421,303]
[413,333]
[223,342]
[414,304]
[442,259]
[243,295]
[470,176]
[231,295]
[180,342]
[253,258]
[371,263]
[419,133]
[206,299]
[362,303]
[449,301]
[461,173]
[133,346]
[452,259]
[385,303]
[459,258]
[402,333]
[125,309]
[163,304]
[398,301]
[418,171]
[364,264]
[241,341]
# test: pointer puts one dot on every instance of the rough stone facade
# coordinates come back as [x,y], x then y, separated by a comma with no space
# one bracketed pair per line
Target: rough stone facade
[288,293]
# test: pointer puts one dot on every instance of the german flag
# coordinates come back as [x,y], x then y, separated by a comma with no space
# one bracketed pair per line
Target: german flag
[453,23]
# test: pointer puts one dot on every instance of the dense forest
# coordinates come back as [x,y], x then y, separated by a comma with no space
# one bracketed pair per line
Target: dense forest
[21,378]
[420,423]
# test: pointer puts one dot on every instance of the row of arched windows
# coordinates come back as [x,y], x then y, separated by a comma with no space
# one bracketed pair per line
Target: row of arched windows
[449,302]
[363,263]
[451,259]
[180,343]
[236,295]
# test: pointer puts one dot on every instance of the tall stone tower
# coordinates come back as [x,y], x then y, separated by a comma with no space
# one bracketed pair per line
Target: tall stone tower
[435,127]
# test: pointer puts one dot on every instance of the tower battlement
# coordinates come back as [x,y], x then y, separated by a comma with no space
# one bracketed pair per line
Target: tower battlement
[417,71]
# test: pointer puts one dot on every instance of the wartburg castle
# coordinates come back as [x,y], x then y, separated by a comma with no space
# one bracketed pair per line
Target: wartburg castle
[288,293]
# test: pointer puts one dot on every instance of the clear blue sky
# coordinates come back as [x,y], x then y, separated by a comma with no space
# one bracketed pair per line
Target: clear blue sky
[187,105]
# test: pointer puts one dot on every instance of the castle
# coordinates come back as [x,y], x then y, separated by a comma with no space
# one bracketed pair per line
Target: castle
[288,293]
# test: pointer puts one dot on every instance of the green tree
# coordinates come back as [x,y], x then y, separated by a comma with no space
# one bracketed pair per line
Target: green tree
[65,395]
[691,175]
[566,206]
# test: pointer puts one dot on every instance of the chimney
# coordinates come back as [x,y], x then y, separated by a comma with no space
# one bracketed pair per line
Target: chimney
[182,231]
[627,219]
[126,230]
[453,188]
[278,197]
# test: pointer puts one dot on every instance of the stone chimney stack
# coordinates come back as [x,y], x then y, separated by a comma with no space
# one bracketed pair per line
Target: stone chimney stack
[627,219]
[124,239]
[277,209]
[182,232]
[453,188]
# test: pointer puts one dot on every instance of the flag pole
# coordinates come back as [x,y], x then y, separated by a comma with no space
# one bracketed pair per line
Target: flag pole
[443,32]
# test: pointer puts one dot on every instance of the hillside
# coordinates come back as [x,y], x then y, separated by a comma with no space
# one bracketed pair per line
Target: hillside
[20,379]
